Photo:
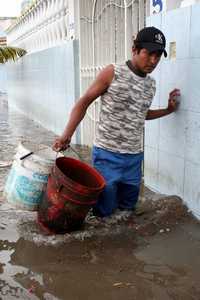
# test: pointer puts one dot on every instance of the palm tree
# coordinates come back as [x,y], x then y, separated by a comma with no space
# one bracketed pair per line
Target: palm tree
[10,53]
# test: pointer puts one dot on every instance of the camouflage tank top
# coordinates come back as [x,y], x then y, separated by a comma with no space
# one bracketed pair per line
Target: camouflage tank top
[123,109]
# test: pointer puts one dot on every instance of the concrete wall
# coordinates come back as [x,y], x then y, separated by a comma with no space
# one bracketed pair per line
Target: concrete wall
[3,78]
[172,144]
[45,84]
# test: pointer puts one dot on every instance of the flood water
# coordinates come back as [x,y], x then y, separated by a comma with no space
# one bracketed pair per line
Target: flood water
[110,261]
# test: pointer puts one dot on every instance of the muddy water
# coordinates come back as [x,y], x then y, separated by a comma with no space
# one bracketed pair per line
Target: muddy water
[112,266]
[153,256]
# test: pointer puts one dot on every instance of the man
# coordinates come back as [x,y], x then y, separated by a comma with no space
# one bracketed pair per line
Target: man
[126,93]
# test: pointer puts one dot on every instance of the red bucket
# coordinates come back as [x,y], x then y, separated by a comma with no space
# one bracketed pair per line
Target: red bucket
[73,188]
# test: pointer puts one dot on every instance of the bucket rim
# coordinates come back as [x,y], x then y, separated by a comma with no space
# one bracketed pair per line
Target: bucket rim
[36,156]
[81,186]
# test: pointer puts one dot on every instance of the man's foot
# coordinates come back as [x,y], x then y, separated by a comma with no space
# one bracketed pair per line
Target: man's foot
[139,210]
[92,219]
[122,214]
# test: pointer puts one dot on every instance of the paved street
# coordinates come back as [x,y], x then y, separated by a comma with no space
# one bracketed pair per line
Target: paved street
[150,256]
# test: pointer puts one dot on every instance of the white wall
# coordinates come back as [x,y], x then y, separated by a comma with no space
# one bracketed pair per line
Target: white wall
[3,76]
[172,144]
[44,85]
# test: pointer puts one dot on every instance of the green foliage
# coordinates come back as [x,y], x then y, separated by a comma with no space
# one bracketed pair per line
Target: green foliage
[10,53]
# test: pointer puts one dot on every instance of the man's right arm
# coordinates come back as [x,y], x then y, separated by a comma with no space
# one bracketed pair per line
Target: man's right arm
[97,88]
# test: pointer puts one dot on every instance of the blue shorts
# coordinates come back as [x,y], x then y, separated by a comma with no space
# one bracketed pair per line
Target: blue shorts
[122,173]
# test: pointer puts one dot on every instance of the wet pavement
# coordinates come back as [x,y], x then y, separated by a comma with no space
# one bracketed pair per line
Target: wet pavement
[154,255]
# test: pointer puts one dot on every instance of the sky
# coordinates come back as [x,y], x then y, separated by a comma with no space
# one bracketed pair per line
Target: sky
[10,8]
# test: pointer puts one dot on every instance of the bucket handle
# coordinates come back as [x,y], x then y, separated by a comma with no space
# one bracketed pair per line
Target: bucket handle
[30,153]
[73,150]
[26,155]
[76,152]
[58,186]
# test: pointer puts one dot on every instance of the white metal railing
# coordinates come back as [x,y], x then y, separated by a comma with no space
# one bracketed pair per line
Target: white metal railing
[45,24]
[107,28]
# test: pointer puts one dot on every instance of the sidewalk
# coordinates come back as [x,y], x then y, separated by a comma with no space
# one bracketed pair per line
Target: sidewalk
[150,256]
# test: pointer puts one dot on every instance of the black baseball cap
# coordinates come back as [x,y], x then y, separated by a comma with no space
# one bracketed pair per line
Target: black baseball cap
[152,39]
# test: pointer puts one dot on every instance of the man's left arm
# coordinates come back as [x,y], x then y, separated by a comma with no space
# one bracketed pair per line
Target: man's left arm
[172,106]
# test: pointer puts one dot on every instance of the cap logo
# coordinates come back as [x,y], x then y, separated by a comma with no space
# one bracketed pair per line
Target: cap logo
[158,38]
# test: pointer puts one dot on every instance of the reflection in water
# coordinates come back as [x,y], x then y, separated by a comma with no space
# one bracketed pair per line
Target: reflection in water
[17,281]
[10,288]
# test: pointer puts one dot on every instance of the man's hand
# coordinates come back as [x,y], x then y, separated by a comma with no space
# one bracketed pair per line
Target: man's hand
[60,144]
[172,102]
[172,106]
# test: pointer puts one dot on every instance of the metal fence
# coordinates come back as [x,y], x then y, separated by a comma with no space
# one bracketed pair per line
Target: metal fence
[107,28]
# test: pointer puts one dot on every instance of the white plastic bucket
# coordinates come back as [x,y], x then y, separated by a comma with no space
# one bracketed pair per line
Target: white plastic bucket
[27,179]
